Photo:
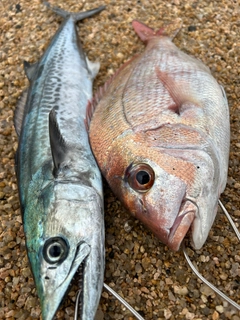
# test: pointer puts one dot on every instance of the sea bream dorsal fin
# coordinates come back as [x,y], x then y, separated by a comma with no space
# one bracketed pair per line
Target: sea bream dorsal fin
[101,91]
[57,142]
[76,16]
[19,112]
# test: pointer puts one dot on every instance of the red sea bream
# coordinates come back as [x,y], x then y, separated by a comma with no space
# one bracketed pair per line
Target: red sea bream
[160,134]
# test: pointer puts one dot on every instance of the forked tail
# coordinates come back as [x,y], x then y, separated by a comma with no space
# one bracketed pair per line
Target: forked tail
[146,33]
[76,16]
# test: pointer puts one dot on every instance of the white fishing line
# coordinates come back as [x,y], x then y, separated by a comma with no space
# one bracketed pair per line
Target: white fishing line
[229,219]
[114,293]
[220,293]
[124,302]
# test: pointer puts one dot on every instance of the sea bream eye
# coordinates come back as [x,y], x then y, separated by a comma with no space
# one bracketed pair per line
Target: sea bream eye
[55,250]
[140,177]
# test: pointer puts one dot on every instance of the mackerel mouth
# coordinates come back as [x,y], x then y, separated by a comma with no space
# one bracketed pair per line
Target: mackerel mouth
[182,224]
[78,281]
[54,298]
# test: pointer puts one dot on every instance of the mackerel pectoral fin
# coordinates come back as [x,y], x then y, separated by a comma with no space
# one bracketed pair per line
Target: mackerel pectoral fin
[30,69]
[58,145]
[93,67]
[76,16]
[19,112]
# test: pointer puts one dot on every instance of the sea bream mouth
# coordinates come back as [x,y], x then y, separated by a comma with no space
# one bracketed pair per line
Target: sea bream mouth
[187,213]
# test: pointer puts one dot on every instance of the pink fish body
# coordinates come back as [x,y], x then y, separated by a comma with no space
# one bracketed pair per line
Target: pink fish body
[160,134]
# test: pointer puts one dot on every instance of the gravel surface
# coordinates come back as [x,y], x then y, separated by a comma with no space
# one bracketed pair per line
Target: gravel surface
[154,280]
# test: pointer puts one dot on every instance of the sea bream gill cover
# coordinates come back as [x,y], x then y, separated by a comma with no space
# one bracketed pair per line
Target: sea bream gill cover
[160,134]
[60,186]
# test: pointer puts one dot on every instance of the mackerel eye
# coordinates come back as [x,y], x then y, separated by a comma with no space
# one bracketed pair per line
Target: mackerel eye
[55,250]
[140,177]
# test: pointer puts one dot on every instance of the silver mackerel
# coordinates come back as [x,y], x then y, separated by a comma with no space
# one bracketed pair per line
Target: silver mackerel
[60,186]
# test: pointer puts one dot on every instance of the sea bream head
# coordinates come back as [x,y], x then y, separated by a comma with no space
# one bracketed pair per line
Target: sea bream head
[60,186]
[160,134]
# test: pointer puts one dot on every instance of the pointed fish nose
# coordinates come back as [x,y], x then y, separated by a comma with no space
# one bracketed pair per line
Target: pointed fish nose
[93,276]
[91,258]
[53,290]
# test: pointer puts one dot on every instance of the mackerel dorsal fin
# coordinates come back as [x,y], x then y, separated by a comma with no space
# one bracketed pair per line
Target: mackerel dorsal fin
[30,69]
[57,143]
[19,112]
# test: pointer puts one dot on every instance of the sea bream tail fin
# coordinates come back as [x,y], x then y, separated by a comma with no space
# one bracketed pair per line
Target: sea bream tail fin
[76,16]
[146,33]
[57,143]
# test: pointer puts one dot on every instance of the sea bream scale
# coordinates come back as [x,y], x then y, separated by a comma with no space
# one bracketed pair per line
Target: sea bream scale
[160,133]
[59,182]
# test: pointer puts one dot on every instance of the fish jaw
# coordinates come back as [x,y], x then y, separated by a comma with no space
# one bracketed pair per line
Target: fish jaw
[165,210]
[53,294]
[92,280]
[74,217]
[182,224]
[204,220]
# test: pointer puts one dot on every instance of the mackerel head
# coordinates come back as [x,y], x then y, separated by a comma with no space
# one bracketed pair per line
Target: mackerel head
[60,186]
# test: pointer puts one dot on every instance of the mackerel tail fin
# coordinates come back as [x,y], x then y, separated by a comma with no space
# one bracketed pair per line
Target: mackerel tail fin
[76,16]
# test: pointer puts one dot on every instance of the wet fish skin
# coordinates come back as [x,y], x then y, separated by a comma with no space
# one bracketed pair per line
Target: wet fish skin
[163,142]
[59,182]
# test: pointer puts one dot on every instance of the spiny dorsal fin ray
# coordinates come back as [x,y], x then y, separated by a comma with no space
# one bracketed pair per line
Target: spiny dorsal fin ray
[57,143]
[76,16]
[19,112]
[101,92]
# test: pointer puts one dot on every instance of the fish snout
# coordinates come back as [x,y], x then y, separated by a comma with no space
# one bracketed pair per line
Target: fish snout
[170,227]
[92,283]
[182,224]
[166,211]
[84,267]
[54,281]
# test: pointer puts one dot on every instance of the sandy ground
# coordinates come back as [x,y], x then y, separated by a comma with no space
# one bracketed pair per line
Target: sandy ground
[154,280]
